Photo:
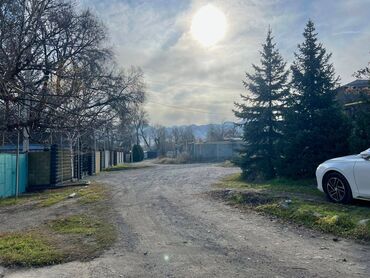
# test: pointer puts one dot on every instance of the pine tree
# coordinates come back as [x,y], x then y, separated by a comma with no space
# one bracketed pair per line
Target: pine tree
[360,137]
[261,113]
[315,126]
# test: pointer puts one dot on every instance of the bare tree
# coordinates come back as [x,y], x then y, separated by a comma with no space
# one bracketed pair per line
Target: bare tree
[215,133]
[56,75]
[160,138]
[140,122]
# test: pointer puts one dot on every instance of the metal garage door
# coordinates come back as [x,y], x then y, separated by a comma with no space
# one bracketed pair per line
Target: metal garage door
[8,174]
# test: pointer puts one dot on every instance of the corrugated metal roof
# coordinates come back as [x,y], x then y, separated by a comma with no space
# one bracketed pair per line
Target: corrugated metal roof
[33,147]
[359,83]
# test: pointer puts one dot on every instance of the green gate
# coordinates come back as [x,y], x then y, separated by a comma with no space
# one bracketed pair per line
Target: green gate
[8,166]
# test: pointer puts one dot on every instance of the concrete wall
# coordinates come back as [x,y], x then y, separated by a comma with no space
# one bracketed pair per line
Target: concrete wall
[120,158]
[214,151]
[106,159]
[97,162]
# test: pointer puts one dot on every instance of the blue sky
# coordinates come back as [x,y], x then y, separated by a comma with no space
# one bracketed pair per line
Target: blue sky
[188,83]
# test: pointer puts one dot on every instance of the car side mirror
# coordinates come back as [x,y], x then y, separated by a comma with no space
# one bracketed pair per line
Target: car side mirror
[365,154]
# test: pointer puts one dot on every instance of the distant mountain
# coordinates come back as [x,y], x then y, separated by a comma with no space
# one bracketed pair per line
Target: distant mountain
[200,131]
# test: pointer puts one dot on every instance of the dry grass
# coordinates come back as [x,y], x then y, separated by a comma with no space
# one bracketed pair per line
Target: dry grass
[80,236]
[182,158]
[130,166]
[298,202]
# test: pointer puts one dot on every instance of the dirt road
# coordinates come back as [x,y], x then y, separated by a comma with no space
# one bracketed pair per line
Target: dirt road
[169,228]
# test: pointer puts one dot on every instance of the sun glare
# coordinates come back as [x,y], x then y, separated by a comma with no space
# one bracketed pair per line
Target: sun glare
[208,25]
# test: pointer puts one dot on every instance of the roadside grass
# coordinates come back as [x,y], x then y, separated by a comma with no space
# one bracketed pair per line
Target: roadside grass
[50,197]
[227,164]
[27,249]
[277,185]
[54,196]
[5,202]
[92,194]
[298,202]
[75,224]
[83,235]
[122,167]
[101,233]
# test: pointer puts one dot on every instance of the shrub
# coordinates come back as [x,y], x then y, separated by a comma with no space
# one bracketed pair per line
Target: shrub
[137,153]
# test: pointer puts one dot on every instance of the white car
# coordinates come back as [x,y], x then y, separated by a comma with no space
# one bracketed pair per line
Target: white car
[345,178]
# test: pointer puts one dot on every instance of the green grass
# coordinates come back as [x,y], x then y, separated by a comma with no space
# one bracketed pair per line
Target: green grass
[76,237]
[5,202]
[122,167]
[277,185]
[306,206]
[101,231]
[27,249]
[60,240]
[76,224]
[53,197]
[90,194]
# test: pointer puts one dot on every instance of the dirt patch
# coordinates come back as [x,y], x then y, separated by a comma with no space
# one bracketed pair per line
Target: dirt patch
[56,226]
[243,198]
[298,204]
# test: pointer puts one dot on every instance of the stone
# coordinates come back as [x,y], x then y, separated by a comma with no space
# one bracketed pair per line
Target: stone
[364,221]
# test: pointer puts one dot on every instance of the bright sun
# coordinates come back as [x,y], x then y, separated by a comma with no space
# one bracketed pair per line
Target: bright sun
[208,25]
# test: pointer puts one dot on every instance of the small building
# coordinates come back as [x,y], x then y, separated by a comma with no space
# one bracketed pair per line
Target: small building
[8,174]
[46,165]
[355,96]
[215,151]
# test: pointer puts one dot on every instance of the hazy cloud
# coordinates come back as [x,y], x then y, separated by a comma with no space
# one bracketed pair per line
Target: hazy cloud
[191,84]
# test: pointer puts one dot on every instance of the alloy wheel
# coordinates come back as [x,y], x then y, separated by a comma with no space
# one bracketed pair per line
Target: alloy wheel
[336,189]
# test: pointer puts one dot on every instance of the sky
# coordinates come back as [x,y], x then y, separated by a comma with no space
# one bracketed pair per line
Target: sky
[188,83]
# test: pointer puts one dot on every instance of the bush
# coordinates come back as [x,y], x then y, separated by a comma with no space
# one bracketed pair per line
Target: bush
[182,158]
[137,153]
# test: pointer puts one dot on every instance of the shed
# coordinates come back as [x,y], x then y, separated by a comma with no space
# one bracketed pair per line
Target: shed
[8,174]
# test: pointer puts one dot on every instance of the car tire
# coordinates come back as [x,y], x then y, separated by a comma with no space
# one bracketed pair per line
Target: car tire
[337,188]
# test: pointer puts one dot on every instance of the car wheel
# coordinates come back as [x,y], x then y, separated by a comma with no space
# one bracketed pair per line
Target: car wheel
[337,188]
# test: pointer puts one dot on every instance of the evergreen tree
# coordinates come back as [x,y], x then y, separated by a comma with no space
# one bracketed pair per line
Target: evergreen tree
[315,126]
[360,137]
[261,113]
[137,153]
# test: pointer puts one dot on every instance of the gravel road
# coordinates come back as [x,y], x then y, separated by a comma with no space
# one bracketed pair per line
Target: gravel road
[168,227]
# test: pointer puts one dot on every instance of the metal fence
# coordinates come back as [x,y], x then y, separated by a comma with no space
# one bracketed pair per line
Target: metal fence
[8,174]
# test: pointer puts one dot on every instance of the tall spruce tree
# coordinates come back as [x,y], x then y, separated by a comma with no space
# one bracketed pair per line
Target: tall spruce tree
[360,137]
[315,126]
[261,113]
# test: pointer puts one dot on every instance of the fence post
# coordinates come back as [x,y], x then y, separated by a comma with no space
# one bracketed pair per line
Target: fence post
[54,157]
[17,165]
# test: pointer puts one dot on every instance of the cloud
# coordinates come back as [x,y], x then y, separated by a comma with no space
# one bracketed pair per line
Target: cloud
[191,84]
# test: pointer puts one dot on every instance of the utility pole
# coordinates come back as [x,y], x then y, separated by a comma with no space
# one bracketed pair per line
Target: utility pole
[26,115]
[62,157]
[17,158]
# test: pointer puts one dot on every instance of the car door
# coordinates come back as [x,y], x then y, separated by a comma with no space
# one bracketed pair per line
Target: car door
[362,176]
